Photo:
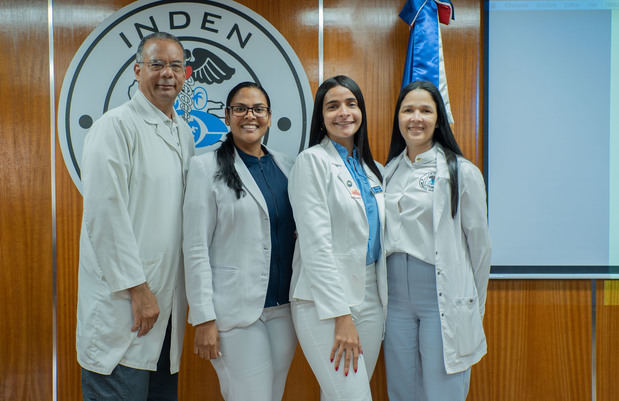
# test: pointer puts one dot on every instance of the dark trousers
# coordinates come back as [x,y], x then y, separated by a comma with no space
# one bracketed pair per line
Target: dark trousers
[128,384]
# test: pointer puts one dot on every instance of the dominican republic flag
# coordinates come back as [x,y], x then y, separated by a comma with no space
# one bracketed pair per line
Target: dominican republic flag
[424,56]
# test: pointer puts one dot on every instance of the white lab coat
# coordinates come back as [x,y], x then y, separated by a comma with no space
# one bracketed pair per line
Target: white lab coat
[133,176]
[462,256]
[227,244]
[329,259]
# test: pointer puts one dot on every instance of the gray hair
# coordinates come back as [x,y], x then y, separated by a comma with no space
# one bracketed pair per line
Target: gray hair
[139,57]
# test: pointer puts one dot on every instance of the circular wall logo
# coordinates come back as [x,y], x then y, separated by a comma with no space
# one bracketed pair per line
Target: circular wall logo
[225,43]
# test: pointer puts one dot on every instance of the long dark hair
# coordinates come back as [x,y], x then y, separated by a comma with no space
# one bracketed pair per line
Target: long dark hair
[317,127]
[225,153]
[442,135]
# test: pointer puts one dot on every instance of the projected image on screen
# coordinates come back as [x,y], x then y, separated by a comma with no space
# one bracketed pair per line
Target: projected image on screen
[553,179]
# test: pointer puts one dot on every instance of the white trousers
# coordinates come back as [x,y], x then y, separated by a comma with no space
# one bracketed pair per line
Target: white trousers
[255,359]
[316,338]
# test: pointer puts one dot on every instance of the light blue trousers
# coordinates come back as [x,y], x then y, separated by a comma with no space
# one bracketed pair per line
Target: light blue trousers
[413,344]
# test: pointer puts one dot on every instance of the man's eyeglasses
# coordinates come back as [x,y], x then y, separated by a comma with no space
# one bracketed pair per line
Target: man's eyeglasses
[242,110]
[158,65]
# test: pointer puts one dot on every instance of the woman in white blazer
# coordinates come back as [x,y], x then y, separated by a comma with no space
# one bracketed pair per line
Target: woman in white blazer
[238,245]
[438,254]
[338,289]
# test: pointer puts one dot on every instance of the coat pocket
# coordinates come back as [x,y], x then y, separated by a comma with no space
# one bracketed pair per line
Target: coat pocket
[228,290]
[469,329]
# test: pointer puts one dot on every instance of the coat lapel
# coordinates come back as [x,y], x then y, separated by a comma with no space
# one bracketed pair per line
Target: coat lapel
[441,198]
[155,118]
[374,182]
[343,175]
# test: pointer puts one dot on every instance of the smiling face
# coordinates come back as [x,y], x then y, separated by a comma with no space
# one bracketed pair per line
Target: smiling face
[160,87]
[247,130]
[341,115]
[417,120]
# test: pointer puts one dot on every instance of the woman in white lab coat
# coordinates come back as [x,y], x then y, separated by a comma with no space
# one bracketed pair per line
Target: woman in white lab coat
[338,289]
[238,245]
[438,254]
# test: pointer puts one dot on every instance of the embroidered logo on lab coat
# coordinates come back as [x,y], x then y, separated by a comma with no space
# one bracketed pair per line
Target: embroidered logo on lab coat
[426,182]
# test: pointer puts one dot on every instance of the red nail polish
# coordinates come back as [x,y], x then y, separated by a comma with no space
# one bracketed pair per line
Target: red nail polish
[336,368]
[355,370]
[346,374]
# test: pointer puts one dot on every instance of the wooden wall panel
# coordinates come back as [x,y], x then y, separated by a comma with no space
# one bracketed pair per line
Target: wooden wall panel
[539,342]
[25,210]
[462,44]
[607,340]
[367,41]
[539,332]
[73,22]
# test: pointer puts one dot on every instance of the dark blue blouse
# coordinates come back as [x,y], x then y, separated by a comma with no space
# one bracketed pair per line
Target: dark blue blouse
[274,187]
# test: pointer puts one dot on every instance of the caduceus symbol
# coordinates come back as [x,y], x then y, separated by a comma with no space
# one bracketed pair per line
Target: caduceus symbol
[205,67]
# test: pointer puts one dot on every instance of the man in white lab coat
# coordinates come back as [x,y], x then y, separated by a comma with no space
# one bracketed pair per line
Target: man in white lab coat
[131,296]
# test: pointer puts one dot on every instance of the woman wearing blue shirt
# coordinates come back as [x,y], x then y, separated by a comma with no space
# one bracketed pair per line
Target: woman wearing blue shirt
[238,245]
[338,289]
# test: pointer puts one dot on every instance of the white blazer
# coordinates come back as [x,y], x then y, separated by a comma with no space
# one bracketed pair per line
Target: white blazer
[226,244]
[328,266]
[462,259]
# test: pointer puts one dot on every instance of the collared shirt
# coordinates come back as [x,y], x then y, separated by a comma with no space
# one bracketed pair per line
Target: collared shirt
[172,125]
[371,207]
[274,187]
[409,200]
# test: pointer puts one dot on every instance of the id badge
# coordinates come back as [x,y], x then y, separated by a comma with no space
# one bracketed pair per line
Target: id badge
[376,190]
